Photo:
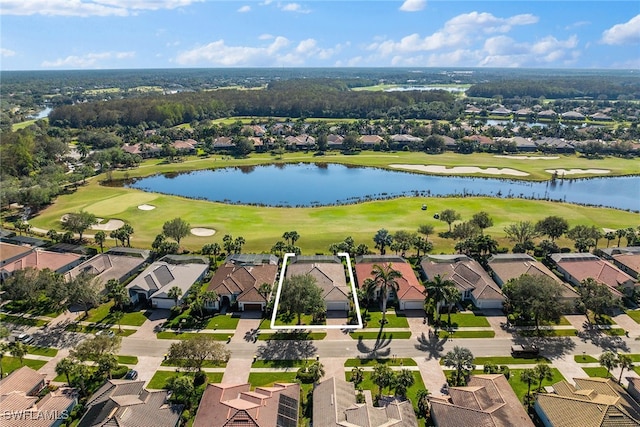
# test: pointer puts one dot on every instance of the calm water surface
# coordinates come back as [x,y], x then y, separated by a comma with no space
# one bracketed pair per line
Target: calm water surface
[328,184]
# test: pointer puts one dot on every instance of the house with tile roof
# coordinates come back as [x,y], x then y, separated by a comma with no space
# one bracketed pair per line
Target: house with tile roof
[125,403]
[240,284]
[576,267]
[370,141]
[572,115]
[547,114]
[473,282]
[592,402]
[634,387]
[487,400]
[234,405]
[154,283]
[330,275]
[23,380]
[410,294]
[505,267]
[18,258]
[108,266]
[334,405]
[10,253]
[626,259]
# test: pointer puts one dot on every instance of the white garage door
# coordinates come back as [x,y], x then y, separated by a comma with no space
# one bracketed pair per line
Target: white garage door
[162,302]
[413,305]
[337,306]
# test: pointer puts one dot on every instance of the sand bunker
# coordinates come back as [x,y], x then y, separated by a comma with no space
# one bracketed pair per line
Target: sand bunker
[577,171]
[528,157]
[146,207]
[112,224]
[460,170]
[203,232]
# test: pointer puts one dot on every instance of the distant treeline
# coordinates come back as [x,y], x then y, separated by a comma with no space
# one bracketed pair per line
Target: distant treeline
[593,87]
[291,98]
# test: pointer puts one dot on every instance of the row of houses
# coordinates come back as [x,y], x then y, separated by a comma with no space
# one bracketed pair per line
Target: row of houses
[500,110]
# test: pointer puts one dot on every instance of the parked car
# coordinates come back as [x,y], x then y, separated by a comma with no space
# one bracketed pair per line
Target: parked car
[131,375]
[25,338]
[107,332]
[525,350]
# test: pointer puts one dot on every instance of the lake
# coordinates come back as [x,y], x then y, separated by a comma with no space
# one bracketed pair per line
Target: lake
[321,184]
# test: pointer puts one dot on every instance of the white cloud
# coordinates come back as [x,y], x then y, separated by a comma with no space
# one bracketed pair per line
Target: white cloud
[626,33]
[265,37]
[244,9]
[4,52]
[90,60]
[413,5]
[87,7]
[293,7]
[577,24]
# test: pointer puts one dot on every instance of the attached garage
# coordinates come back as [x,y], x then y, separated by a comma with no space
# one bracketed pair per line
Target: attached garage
[162,303]
[337,306]
[252,307]
[411,305]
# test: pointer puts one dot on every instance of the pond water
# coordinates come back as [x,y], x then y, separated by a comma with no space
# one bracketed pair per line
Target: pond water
[329,184]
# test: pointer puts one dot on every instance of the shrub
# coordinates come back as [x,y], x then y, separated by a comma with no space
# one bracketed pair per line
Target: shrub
[120,371]
[199,379]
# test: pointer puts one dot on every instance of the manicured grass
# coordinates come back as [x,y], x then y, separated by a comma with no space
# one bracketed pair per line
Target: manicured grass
[93,329]
[222,322]
[205,364]
[102,314]
[127,360]
[467,334]
[463,320]
[599,371]
[260,379]
[261,227]
[292,336]
[401,335]
[400,361]
[584,359]
[615,332]
[393,320]
[509,360]
[520,388]
[20,320]
[42,351]
[160,378]
[168,335]
[280,363]
[10,364]
[549,333]
[305,319]
[634,314]
[412,392]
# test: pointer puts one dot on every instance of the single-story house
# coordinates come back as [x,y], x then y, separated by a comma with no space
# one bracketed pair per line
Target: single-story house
[572,115]
[472,109]
[330,276]
[23,380]
[19,258]
[154,283]
[487,400]
[370,141]
[240,283]
[226,405]
[125,403]
[302,142]
[501,111]
[547,114]
[600,117]
[335,405]
[185,146]
[473,282]
[626,259]
[110,265]
[334,141]
[592,402]
[576,267]
[410,293]
[223,143]
[505,267]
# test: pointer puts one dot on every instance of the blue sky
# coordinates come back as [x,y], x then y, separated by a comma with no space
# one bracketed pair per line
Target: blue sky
[102,34]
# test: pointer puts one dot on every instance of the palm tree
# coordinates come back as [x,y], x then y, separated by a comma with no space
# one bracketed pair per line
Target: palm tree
[369,290]
[461,359]
[357,376]
[625,362]
[316,370]
[385,278]
[117,317]
[18,349]
[65,366]
[609,235]
[100,237]
[265,289]
[528,376]
[451,296]
[436,290]
[542,372]
[119,293]
[620,234]
[402,381]
[207,297]
[382,239]
[609,360]
[382,376]
[422,398]
[213,250]
[175,293]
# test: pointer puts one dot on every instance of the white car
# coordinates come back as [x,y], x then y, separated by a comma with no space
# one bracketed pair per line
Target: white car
[25,338]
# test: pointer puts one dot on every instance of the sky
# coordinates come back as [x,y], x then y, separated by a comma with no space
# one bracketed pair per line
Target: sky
[125,34]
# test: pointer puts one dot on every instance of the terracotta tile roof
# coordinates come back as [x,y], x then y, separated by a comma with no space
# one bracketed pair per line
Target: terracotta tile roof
[371,139]
[107,266]
[328,275]
[53,407]
[488,400]
[235,405]
[10,252]
[409,287]
[22,380]
[40,259]
[242,281]
[630,261]
[583,266]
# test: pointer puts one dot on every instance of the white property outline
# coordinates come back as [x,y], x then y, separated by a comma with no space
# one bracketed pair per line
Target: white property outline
[354,293]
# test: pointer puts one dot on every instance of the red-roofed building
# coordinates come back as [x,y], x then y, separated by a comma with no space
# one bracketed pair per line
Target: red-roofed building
[239,283]
[40,260]
[410,293]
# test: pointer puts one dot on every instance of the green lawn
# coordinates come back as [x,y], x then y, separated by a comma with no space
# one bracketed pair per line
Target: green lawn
[205,364]
[549,333]
[599,371]
[585,359]
[520,388]
[465,320]
[10,364]
[261,227]
[412,392]
[366,335]
[614,332]
[292,336]
[127,360]
[223,322]
[169,335]
[292,320]
[508,360]
[93,329]
[634,314]
[467,334]
[280,363]
[102,314]
[406,361]
[21,320]
[42,351]
[393,319]
[261,379]
[160,378]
